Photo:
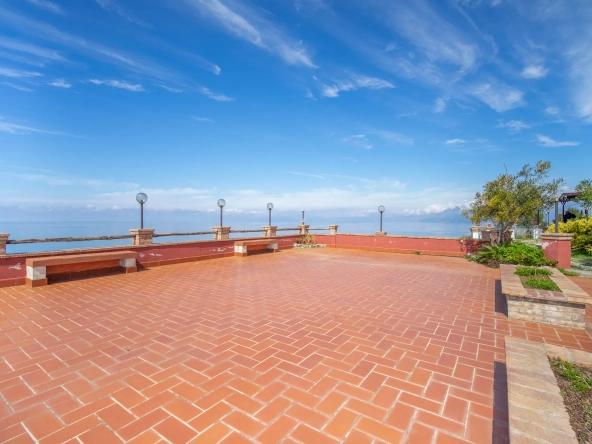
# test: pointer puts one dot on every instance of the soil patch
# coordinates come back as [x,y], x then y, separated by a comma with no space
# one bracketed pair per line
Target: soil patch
[575,383]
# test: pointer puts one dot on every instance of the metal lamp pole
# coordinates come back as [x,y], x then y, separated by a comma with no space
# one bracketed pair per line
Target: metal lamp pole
[381,210]
[556,215]
[221,204]
[270,207]
[141,198]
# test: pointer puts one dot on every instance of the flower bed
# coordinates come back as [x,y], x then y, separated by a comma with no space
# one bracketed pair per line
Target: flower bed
[575,383]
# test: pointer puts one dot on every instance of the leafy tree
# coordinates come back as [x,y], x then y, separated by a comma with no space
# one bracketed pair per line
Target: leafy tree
[585,196]
[511,198]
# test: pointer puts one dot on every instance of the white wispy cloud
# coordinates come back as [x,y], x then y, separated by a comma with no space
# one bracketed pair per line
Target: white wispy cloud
[534,72]
[13,128]
[64,180]
[48,6]
[17,87]
[215,96]
[15,73]
[359,140]
[455,141]
[552,110]
[247,23]
[499,96]
[298,173]
[38,29]
[60,83]
[118,84]
[440,104]
[27,48]
[354,82]
[391,136]
[515,126]
[548,142]
[113,6]
[170,88]
[202,119]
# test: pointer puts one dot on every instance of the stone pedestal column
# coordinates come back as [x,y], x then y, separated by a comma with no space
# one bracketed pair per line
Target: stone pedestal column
[3,239]
[476,232]
[142,236]
[303,229]
[221,233]
[557,247]
[269,230]
[333,229]
[380,233]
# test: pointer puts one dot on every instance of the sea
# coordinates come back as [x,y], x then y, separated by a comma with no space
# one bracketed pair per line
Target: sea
[42,230]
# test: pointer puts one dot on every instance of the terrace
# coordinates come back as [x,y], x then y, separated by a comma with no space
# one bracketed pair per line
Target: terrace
[309,346]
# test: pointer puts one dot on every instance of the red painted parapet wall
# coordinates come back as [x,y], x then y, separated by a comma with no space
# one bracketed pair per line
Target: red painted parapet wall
[13,269]
[441,246]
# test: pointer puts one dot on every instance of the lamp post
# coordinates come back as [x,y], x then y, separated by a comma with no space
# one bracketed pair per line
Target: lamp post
[270,207]
[302,217]
[381,210]
[556,215]
[221,204]
[141,198]
[548,216]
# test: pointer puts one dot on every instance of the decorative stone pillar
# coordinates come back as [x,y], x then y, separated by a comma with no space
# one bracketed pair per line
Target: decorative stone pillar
[142,236]
[476,232]
[269,230]
[557,247]
[493,236]
[333,229]
[303,229]
[380,233]
[3,238]
[221,233]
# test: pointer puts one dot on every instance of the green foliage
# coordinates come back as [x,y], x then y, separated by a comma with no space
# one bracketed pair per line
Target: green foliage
[518,254]
[585,197]
[307,239]
[543,283]
[532,271]
[568,272]
[582,231]
[511,198]
[579,381]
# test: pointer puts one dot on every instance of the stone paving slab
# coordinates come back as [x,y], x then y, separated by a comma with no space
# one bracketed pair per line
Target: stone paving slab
[536,409]
[303,346]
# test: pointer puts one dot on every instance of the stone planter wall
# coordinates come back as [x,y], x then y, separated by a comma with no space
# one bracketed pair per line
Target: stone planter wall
[562,309]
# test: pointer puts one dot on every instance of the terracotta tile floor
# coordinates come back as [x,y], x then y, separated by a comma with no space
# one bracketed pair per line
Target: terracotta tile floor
[302,346]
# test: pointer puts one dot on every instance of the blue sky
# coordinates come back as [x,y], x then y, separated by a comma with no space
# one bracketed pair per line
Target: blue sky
[333,106]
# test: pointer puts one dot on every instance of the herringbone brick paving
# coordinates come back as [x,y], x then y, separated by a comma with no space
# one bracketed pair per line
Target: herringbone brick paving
[303,346]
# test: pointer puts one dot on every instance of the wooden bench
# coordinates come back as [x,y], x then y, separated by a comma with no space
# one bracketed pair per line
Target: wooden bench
[38,268]
[242,247]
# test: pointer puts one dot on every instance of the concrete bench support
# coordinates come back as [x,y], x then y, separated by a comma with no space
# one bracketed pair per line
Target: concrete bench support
[37,267]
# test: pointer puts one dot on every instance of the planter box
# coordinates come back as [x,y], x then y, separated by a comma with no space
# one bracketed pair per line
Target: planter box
[561,309]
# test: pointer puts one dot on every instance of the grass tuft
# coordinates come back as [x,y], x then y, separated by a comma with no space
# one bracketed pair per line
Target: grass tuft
[579,381]
[568,272]
[540,284]
[532,271]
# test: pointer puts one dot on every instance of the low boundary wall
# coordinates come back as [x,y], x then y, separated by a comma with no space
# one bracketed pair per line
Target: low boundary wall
[436,246]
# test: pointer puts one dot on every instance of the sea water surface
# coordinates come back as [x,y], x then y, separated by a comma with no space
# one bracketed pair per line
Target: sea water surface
[37,230]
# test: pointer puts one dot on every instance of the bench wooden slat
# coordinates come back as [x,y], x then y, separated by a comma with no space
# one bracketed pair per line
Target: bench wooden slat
[255,242]
[79,258]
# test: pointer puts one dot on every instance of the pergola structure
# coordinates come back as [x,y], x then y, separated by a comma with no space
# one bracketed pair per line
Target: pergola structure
[565,198]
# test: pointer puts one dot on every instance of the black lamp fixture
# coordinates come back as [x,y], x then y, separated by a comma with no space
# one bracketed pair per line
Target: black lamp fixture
[221,204]
[270,207]
[141,198]
[381,210]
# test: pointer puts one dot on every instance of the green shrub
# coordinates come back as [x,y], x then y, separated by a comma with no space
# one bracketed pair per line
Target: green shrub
[582,231]
[518,254]
[532,271]
[540,284]
[579,381]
